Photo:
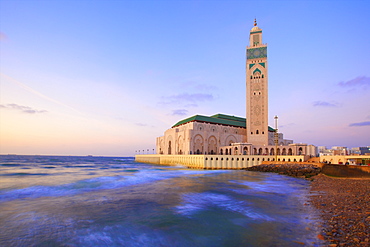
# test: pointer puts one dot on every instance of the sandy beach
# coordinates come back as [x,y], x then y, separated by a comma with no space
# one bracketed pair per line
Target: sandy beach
[345,208]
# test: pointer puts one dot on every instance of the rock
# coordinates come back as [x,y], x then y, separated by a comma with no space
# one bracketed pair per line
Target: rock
[321,237]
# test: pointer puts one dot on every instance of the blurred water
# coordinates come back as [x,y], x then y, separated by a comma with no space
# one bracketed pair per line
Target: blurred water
[105,201]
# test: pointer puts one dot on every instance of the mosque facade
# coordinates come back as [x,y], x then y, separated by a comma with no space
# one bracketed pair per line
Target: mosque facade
[223,134]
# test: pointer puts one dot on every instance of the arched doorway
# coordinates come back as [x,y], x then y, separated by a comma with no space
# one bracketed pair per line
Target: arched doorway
[212,145]
[169,147]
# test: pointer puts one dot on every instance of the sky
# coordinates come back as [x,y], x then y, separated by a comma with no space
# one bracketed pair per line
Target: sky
[109,77]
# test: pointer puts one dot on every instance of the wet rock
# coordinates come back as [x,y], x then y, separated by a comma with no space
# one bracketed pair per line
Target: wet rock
[289,169]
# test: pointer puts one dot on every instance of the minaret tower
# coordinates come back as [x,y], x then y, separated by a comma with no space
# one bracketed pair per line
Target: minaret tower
[257,88]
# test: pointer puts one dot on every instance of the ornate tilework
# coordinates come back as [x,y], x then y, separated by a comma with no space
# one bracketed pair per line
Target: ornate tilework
[257,70]
[259,52]
[263,65]
[251,65]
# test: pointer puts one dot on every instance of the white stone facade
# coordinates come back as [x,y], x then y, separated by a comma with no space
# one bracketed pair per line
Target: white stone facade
[229,135]
[198,138]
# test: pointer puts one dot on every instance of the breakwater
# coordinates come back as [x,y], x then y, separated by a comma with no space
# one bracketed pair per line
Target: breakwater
[305,170]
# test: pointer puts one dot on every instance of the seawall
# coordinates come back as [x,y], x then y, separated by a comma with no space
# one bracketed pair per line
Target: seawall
[214,161]
[347,171]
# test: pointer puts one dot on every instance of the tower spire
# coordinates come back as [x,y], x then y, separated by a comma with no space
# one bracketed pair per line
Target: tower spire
[255,22]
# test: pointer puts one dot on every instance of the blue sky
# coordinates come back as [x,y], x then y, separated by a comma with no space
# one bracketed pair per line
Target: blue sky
[108,77]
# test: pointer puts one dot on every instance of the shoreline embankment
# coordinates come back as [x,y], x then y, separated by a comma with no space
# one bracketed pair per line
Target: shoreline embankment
[341,194]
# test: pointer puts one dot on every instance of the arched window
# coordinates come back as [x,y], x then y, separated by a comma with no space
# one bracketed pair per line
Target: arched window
[257,132]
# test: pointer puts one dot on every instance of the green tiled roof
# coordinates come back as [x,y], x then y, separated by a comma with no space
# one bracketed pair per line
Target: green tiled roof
[217,119]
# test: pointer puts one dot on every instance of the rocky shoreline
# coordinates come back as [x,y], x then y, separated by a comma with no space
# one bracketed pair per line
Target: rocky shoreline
[344,203]
[289,169]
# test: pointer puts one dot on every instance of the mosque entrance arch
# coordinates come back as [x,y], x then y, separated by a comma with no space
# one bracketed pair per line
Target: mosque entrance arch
[198,144]
[212,145]
[229,140]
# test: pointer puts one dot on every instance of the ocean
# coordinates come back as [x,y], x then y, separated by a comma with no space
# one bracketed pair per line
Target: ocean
[114,201]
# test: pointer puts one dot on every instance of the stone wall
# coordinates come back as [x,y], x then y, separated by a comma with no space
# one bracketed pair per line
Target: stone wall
[346,171]
[213,161]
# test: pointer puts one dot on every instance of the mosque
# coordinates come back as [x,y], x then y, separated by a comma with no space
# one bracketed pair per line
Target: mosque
[222,134]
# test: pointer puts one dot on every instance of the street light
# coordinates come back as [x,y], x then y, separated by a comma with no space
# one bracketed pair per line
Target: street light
[276,136]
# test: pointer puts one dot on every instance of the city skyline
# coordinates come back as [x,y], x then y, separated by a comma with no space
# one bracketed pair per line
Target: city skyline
[107,78]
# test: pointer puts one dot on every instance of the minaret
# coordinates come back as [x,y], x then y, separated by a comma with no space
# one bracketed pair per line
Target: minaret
[257,88]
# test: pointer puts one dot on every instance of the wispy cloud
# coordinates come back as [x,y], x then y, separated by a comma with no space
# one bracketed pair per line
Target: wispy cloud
[143,125]
[361,124]
[198,86]
[179,112]
[186,98]
[24,109]
[325,104]
[191,105]
[361,81]
[286,125]
[27,88]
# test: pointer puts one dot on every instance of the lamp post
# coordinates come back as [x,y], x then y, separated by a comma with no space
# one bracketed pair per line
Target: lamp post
[276,136]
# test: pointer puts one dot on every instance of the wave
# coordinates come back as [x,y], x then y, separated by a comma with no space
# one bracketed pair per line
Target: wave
[134,177]
[194,202]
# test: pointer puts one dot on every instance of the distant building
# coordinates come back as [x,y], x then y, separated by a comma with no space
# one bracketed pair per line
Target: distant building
[340,150]
[230,135]
[361,150]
